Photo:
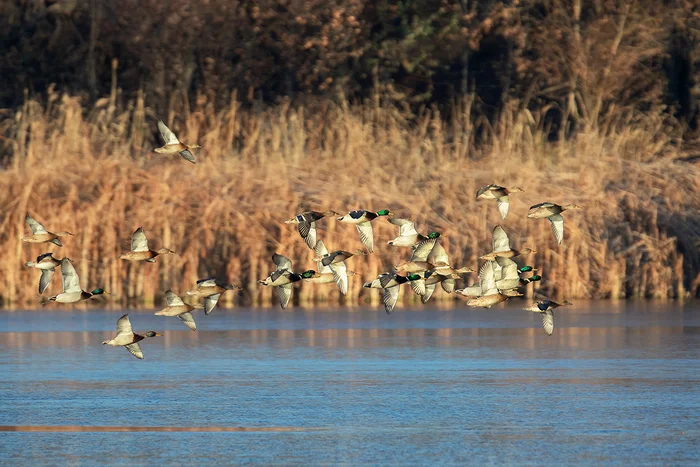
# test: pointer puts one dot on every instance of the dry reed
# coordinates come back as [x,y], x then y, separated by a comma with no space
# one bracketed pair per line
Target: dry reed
[93,172]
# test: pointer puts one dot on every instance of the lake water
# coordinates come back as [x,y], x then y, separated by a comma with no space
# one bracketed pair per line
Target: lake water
[617,384]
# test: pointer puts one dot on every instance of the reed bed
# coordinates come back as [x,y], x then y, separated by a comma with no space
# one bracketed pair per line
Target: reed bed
[92,171]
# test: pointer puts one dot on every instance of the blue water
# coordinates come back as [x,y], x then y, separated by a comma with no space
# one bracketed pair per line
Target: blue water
[617,383]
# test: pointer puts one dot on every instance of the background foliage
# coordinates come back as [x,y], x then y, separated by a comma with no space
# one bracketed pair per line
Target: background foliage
[346,104]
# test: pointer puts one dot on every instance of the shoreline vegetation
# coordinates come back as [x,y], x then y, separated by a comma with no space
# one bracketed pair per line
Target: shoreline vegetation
[89,168]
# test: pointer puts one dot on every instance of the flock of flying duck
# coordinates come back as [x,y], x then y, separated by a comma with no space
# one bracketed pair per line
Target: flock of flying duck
[499,276]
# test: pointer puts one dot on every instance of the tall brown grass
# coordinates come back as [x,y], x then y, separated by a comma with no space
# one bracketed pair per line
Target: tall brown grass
[92,171]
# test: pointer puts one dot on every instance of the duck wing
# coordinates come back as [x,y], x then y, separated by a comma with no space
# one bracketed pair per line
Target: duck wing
[390,296]
[188,319]
[557,227]
[45,279]
[282,262]
[135,350]
[500,239]
[34,226]
[168,136]
[188,156]
[429,289]
[210,302]
[366,235]
[172,299]
[139,242]
[503,205]
[406,227]
[69,278]
[340,275]
[487,279]
[208,282]
[307,230]
[124,325]
[422,250]
[284,293]
[548,321]
[438,254]
[321,251]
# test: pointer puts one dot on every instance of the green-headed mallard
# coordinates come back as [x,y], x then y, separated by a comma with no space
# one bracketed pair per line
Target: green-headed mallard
[210,291]
[127,338]
[501,246]
[283,277]
[306,225]
[72,293]
[408,236]
[139,249]
[41,235]
[173,145]
[335,272]
[552,212]
[47,264]
[177,307]
[362,220]
[389,282]
[546,309]
[500,194]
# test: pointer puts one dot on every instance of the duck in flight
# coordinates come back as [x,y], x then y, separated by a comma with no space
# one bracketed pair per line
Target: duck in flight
[173,145]
[72,292]
[552,212]
[140,251]
[47,264]
[363,221]
[127,338]
[500,194]
[306,225]
[41,235]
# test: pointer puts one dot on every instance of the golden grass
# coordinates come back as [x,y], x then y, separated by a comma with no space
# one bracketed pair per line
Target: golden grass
[92,172]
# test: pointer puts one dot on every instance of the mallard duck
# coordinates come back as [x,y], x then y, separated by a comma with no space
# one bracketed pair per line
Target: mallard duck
[546,309]
[419,258]
[501,246]
[283,277]
[408,236]
[177,307]
[140,251]
[389,282]
[41,235]
[500,194]
[552,212]
[362,220]
[173,145]
[306,224]
[210,291]
[335,272]
[72,293]
[47,264]
[127,338]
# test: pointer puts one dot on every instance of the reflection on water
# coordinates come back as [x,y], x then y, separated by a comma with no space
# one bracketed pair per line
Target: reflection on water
[530,338]
[166,429]
[616,383]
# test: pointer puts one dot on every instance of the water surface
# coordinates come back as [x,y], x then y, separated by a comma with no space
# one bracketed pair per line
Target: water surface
[617,383]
